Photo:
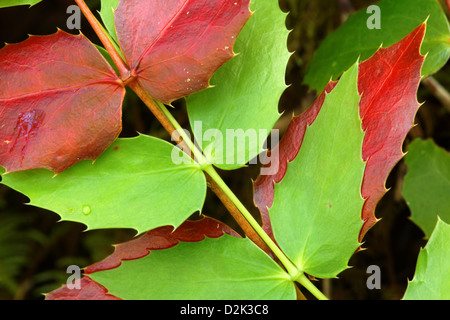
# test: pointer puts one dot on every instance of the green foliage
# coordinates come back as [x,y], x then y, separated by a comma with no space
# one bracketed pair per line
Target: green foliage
[210,269]
[145,183]
[107,15]
[164,193]
[398,18]
[245,93]
[431,280]
[427,184]
[13,3]
[318,227]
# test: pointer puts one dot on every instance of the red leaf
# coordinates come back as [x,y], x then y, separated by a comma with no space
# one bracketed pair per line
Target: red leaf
[90,290]
[174,47]
[60,103]
[157,239]
[388,82]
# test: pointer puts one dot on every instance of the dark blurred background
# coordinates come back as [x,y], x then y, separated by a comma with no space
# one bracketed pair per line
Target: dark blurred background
[36,249]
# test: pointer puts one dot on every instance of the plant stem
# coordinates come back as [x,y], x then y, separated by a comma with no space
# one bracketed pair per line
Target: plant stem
[123,68]
[242,216]
[439,91]
[179,136]
[304,281]
[290,267]
[170,124]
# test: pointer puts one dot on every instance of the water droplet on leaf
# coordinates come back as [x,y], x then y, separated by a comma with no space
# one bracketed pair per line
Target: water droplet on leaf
[86,210]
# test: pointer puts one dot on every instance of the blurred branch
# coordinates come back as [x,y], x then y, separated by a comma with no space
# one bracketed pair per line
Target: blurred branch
[438,91]
[346,9]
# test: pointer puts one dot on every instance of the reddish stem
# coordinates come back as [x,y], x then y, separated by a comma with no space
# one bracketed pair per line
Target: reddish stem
[123,68]
[129,80]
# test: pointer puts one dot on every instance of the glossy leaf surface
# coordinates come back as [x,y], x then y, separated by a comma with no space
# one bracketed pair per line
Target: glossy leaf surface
[156,239]
[222,268]
[426,187]
[98,195]
[13,3]
[318,227]
[430,281]
[398,18]
[244,99]
[60,103]
[174,47]
[107,14]
[395,71]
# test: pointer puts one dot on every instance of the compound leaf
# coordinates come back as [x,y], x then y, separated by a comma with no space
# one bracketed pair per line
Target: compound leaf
[98,195]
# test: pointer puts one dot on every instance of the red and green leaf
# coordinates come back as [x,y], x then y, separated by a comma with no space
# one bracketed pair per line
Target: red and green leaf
[174,47]
[60,103]
[388,82]
[156,239]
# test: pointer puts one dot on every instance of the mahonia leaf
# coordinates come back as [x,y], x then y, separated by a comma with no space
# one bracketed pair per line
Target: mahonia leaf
[89,290]
[386,119]
[157,239]
[224,268]
[318,226]
[427,184]
[388,108]
[430,281]
[98,195]
[397,19]
[107,14]
[60,103]
[287,150]
[174,47]
[13,3]
[246,92]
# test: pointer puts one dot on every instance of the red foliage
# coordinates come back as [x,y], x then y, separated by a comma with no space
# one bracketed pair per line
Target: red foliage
[60,103]
[388,82]
[174,47]
[157,239]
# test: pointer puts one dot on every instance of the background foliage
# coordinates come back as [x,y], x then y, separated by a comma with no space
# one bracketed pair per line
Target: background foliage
[35,250]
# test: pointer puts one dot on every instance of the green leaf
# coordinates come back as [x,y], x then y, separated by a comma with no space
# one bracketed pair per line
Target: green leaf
[398,18]
[316,213]
[14,3]
[107,15]
[134,184]
[431,280]
[427,184]
[242,107]
[222,268]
